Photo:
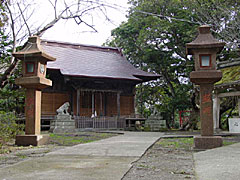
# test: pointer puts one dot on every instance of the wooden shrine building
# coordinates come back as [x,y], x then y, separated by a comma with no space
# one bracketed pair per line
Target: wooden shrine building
[97,81]
[228,86]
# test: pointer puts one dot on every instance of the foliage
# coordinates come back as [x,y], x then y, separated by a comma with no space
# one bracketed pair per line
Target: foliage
[154,38]
[11,99]
[158,45]
[9,127]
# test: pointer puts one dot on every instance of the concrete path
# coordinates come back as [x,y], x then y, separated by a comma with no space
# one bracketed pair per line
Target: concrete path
[107,159]
[218,164]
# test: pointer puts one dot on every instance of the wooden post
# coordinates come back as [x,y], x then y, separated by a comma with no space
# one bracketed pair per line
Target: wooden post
[78,102]
[216,111]
[238,106]
[33,112]
[118,104]
[135,103]
[105,104]
[93,104]
[101,104]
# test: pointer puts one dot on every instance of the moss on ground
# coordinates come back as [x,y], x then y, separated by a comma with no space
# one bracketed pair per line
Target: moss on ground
[187,143]
[77,138]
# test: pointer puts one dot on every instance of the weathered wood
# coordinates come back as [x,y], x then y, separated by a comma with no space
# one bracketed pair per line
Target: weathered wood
[229,94]
[239,107]
[93,104]
[78,102]
[105,104]
[101,104]
[118,104]
[52,101]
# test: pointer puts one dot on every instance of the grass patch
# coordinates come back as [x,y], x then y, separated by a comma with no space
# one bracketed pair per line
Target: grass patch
[226,143]
[177,143]
[21,156]
[77,138]
[187,143]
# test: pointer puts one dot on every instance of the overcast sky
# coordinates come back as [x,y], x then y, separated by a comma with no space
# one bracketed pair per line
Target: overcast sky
[71,32]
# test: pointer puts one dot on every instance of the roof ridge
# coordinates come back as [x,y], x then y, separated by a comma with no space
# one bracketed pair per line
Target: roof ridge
[78,44]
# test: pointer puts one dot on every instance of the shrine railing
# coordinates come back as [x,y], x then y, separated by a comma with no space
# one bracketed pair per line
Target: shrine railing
[100,122]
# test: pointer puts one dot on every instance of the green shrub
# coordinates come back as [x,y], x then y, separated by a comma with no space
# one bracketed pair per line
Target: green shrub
[9,127]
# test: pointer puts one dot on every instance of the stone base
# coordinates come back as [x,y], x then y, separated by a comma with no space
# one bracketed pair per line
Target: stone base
[62,124]
[34,140]
[207,142]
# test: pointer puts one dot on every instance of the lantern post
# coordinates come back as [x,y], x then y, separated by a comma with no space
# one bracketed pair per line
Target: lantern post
[204,50]
[34,66]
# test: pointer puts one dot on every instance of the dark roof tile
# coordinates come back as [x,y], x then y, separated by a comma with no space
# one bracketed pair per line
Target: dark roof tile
[92,61]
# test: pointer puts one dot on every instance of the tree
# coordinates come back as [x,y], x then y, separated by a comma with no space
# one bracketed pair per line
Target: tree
[154,39]
[158,45]
[20,23]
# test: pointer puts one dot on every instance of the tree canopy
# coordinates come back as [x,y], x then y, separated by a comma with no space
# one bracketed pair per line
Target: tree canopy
[154,38]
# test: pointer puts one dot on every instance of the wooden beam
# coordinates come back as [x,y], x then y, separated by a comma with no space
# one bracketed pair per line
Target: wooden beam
[229,94]
[98,90]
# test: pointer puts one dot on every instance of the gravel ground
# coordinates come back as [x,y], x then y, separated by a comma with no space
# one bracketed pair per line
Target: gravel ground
[14,154]
[25,153]
[163,163]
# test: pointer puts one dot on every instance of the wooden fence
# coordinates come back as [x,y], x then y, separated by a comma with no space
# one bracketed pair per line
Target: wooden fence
[100,122]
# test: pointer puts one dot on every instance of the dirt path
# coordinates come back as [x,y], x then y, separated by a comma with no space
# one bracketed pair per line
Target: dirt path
[163,163]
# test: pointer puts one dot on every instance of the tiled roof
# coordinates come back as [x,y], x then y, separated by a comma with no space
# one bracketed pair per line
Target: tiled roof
[92,61]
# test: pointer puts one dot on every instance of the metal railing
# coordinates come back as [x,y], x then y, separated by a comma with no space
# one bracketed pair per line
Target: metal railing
[100,122]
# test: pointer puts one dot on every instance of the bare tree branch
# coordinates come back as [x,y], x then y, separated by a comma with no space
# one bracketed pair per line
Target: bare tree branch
[168,17]
[21,26]
[14,61]
[25,22]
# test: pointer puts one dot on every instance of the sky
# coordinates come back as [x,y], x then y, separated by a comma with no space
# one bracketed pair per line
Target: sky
[71,32]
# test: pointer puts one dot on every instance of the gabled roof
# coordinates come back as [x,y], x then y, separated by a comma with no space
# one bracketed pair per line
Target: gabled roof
[92,61]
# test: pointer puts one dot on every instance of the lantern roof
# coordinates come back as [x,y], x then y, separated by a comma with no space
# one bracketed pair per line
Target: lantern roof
[204,40]
[32,49]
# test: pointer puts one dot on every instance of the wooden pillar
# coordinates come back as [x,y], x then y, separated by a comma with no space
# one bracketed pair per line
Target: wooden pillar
[118,104]
[216,111]
[33,112]
[105,104]
[93,103]
[78,102]
[135,102]
[101,104]
[71,101]
[238,106]
[206,111]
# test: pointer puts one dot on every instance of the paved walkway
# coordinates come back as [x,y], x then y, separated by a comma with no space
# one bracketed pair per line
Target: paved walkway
[218,164]
[107,159]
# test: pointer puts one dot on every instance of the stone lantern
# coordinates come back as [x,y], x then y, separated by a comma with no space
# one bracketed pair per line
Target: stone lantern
[34,65]
[204,50]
